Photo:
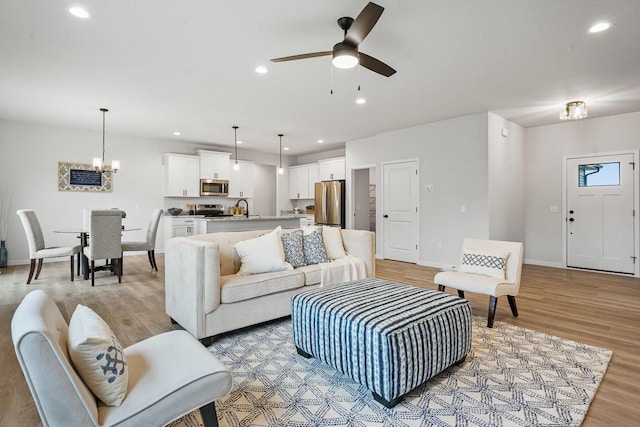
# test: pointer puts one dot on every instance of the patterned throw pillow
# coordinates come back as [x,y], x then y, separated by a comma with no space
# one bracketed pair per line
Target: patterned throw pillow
[294,248]
[97,356]
[487,263]
[314,251]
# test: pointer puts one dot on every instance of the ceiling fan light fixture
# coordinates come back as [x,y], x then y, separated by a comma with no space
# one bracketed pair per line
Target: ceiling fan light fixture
[574,110]
[345,56]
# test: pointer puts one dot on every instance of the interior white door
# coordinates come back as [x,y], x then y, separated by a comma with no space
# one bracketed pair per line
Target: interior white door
[600,213]
[400,211]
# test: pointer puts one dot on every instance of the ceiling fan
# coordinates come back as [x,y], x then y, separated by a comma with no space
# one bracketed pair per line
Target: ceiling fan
[345,54]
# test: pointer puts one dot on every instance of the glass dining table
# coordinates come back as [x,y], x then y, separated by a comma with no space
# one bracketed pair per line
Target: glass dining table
[83,235]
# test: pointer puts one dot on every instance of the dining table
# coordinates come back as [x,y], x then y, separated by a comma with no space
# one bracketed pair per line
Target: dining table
[83,235]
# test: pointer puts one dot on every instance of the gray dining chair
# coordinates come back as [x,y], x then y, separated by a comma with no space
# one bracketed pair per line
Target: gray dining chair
[105,236]
[148,245]
[37,249]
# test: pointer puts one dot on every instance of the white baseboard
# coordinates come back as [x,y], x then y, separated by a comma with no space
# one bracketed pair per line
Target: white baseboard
[433,264]
[543,263]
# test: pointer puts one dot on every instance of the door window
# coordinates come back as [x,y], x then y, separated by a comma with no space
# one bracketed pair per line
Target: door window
[599,174]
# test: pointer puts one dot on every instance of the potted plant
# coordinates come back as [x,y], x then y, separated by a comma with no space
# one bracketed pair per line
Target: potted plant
[4,221]
[310,209]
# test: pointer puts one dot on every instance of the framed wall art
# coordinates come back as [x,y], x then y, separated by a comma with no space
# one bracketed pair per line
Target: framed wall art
[82,177]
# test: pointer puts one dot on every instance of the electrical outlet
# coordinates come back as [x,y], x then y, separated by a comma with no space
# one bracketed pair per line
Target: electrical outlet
[439,246]
[554,209]
[463,208]
[428,187]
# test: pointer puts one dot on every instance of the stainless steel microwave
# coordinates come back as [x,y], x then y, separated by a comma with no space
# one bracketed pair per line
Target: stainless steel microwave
[214,187]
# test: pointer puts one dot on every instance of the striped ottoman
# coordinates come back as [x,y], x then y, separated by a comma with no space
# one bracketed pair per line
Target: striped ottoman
[387,336]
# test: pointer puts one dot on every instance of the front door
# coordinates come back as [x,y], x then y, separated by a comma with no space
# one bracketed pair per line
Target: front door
[400,211]
[600,213]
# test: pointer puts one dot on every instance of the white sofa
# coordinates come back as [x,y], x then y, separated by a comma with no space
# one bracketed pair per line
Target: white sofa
[206,297]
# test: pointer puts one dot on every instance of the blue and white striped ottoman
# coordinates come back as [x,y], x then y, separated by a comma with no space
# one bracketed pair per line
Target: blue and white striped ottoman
[387,336]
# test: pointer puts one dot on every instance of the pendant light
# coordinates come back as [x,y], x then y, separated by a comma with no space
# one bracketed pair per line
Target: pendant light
[574,110]
[236,166]
[280,169]
[98,163]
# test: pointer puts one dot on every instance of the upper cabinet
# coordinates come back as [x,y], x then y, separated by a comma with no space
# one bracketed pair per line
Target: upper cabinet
[214,165]
[302,178]
[299,182]
[331,169]
[241,180]
[314,176]
[181,175]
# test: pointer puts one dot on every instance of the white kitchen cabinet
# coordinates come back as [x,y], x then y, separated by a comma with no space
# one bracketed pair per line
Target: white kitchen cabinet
[181,175]
[307,221]
[299,182]
[241,180]
[178,226]
[332,169]
[214,165]
[314,176]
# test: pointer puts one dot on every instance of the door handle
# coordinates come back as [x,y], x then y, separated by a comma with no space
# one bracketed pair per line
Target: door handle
[385,216]
[571,219]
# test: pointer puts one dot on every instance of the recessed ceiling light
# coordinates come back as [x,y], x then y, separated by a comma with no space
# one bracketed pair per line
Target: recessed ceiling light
[176,133]
[361,101]
[600,26]
[320,141]
[79,12]
[285,148]
[261,69]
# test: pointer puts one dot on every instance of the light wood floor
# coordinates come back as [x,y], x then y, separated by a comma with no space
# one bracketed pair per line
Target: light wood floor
[597,309]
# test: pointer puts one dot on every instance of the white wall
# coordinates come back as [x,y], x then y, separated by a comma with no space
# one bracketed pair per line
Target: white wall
[453,159]
[29,156]
[544,151]
[506,180]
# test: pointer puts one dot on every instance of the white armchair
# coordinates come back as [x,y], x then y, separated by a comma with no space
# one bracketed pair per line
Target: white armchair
[170,374]
[490,267]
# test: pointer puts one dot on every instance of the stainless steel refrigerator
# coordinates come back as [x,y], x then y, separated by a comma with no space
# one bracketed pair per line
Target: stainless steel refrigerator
[329,203]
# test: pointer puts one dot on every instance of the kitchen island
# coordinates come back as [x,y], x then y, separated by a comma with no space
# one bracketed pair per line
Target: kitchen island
[242,223]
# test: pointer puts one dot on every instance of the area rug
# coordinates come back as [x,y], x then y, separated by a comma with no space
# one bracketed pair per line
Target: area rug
[512,377]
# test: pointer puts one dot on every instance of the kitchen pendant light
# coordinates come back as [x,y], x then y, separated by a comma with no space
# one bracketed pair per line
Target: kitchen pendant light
[236,166]
[280,169]
[98,163]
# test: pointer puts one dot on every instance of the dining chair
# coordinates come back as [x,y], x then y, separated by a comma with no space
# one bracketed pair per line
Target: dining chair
[150,244]
[490,267]
[105,236]
[37,249]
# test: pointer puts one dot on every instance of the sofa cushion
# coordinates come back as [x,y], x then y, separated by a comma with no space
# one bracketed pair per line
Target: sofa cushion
[333,242]
[234,288]
[98,356]
[262,254]
[314,251]
[294,248]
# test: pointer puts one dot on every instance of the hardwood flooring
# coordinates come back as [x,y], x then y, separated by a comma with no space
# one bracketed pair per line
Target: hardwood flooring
[597,309]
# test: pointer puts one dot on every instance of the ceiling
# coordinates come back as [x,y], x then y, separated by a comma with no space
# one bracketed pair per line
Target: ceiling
[163,65]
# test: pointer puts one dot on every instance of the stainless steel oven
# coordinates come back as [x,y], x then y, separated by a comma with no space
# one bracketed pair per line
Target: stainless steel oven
[214,187]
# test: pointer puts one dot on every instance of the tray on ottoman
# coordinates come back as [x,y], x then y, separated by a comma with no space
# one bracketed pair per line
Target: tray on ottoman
[389,337]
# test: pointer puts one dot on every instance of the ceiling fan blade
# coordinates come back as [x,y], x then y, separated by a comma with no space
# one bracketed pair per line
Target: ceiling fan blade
[364,23]
[303,56]
[376,65]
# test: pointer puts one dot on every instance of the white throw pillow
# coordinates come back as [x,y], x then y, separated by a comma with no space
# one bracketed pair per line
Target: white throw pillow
[487,263]
[97,356]
[333,242]
[262,254]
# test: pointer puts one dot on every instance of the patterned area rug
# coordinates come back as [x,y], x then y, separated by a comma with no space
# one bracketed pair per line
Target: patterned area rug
[512,377]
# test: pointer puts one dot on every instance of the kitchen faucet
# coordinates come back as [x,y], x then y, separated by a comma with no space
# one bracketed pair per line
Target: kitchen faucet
[246,212]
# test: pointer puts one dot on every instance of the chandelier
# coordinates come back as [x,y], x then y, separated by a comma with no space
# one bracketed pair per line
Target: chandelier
[98,163]
[574,110]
